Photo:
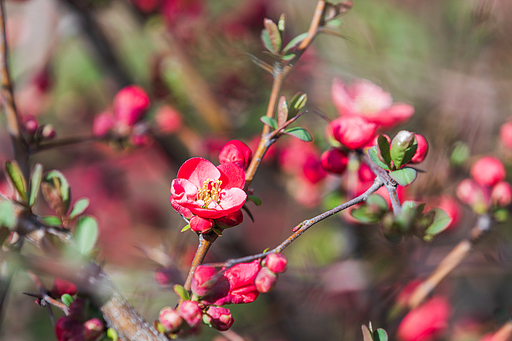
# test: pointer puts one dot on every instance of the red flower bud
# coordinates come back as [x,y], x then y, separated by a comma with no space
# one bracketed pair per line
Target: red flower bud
[353,131]
[190,312]
[201,284]
[236,152]
[265,280]
[198,224]
[165,277]
[170,319]
[470,193]
[61,287]
[92,329]
[230,220]
[168,119]
[276,263]
[48,132]
[334,161]
[488,171]
[421,151]
[506,134]
[102,124]
[425,322]
[219,318]
[130,104]
[30,125]
[501,194]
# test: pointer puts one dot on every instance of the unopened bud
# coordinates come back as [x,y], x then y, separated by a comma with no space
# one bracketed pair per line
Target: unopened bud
[219,318]
[190,312]
[92,329]
[48,132]
[421,151]
[501,194]
[61,287]
[168,119]
[236,152]
[170,319]
[334,161]
[230,220]
[265,280]
[198,224]
[30,125]
[276,263]
[102,124]
[488,171]
[201,281]
[470,193]
[130,104]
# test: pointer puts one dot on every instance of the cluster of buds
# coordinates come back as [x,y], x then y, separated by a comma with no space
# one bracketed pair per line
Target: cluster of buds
[35,132]
[487,189]
[124,121]
[76,326]
[273,264]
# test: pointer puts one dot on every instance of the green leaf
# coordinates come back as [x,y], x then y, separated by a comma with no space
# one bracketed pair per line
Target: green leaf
[274,35]
[282,111]
[460,153]
[52,220]
[300,133]
[364,215]
[367,335]
[16,179]
[271,122]
[79,207]
[380,335]
[265,38]
[297,103]
[501,215]
[384,149]
[186,228]
[112,334]
[255,199]
[7,215]
[404,176]
[409,153]
[181,292]
[86,234]
[281,24]
[295,41]
[377,200]
[67,299]
[374,156]
[60,183]
[288,56]
[56,192]
[440,223]
[35,182]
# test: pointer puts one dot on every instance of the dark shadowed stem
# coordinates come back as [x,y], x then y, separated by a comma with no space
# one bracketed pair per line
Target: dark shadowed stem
[44,293]
[451,261]
[65,142]
[205,242]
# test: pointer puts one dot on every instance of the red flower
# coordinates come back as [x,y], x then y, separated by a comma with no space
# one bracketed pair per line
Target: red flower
[488,171]
[236,152]
[425,322]
[130,104]
[335,161]
[421,151]
[506,134]
[353,131]
[207,191]
[61,287]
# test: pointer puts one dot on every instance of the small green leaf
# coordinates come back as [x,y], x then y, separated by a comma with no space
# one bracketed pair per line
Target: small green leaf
[500,215]
[181,292]
[255,199]
[35,182]
[384,149]
[67,299]
[440,223]
[374,156]
[186,228]
[271,122]
[79,207]
[52,220]
[265,38]
[282,111]
[460,153]
[86,234]
[364,215]
[404,176]
[7,215]
[367,335]
[60,183]
[295,41]
[377,200]
[380,335]
[274,35]
[300,133]
[281,24]
[288,56]
[297,103]
[56,192]
[409,153]
[16,179]
[112,334]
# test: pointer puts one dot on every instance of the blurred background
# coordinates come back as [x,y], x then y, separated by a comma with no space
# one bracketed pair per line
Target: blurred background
[451,59]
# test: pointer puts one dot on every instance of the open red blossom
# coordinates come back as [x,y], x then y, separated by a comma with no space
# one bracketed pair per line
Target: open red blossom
[425,322]
[207,191]
[365,99]
[353,131]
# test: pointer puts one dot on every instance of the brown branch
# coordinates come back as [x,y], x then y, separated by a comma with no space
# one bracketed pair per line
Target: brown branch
[205,242]
[65,142]
[44,293]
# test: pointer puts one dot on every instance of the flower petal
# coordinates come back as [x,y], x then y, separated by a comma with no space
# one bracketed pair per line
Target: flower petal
[341,98]
[398,113]
[197,170]
[231,176]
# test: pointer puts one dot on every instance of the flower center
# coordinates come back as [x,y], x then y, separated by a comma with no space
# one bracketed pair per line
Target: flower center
[210,192]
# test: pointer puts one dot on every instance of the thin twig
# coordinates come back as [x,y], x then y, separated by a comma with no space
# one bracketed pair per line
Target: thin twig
[205,242]
[65,142]
[44,293]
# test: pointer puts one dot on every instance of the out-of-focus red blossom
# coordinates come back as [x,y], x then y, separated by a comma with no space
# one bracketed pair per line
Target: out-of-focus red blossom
[168,119]
[506,134]
[236,152]
[425,322]
[312,170]
[67,328]
[488,171]
[306,193]
[130,103]
[334,161]
[294,155]
[365,99]
[92,329]
[236,285]
[140,139]
[470,193]
[198,224]
[421,151]
[61,287]
[265,281]
[247,21]
[207,191]
[170,319]
[190,312]
[219,318]
[276,262]
[353,131]
[487,337]
[102,124]
[201,284]
[230,220]
[175,11]
[501,194]
[146,6]
[452,208]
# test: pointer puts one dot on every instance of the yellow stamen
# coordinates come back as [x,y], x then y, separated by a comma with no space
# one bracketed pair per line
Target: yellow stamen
[210,192]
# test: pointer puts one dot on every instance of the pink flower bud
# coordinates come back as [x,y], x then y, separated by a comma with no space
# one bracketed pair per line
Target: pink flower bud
[30,125]
[170,319]
[488,171]
[130,104]
[48,132]
[471,194]
[334,161]
[67,328]
[421,151]
[140,140]
[191,313]
[230,220]
[198,224]
[236,152]
[425,322]
[201,284]
[265,280]
[165,277]
[102,124]
[219,318]
[276,263]
[353,131]
[501,194]
[168,119]
[506,134]
[61,287]
[92,329]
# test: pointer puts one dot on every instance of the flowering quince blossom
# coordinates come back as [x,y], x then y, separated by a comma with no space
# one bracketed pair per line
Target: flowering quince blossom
[207,192]
[425,322]
[352,131]
[367,100]
[236,152]
[219,318]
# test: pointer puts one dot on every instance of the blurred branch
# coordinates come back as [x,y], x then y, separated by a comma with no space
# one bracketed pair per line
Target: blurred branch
[65,142]
[44,293]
